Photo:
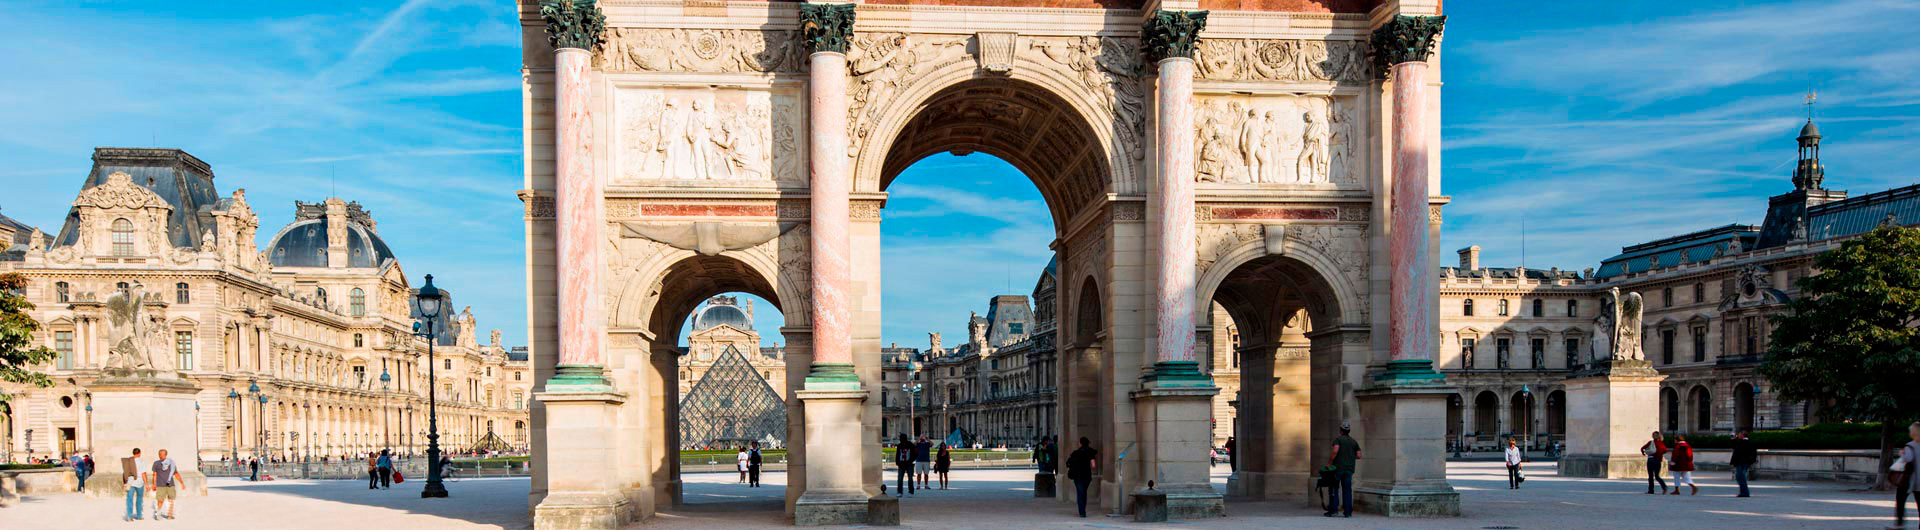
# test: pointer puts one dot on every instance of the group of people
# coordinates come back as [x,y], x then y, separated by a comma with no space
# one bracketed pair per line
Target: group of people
[161,477]
[749,460]
[919,461]
[1678,458]
[380,472]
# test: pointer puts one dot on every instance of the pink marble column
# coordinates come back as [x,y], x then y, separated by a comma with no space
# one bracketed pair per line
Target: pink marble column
[1174,280]
[832,308]
[579,212]
[1412,287]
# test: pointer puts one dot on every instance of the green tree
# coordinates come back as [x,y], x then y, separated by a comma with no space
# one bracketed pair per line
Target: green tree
[1851,341]
[17,352]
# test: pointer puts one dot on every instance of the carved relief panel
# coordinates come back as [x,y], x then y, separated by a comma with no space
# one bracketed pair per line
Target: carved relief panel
[1286,139]
[1283,60]
[710,136]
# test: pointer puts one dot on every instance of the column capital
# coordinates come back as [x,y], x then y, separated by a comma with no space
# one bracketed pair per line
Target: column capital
[1405,39]
[1170,33]
[573,23]
[826,27]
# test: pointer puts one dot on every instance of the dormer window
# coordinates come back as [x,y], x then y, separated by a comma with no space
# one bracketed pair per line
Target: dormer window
[122,237]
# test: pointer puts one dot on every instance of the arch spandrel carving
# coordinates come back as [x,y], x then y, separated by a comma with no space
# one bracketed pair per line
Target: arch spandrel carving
[1328,260]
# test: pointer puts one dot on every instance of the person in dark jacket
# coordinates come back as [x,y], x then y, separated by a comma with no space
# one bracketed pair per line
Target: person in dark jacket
[1655,451]
[754,460]
[941,463]
[1080,467]
[1743,459]
[903,460]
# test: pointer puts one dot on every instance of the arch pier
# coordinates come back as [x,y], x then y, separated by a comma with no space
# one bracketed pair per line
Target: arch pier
[1273,163]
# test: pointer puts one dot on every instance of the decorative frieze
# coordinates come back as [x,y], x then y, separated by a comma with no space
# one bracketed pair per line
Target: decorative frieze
[1405,39]
[573,23]
[1272,213]
[701,51]
[1170,33]
[1282,60]
[1276,140]
[1129,211]
[636,208]
[864,210]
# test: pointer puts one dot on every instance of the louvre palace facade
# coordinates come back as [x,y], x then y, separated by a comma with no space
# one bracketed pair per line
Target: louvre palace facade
[319,320]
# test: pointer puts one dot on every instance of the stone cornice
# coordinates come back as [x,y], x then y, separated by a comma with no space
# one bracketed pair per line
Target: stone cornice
[1168,33]
[826,27]
[573,23]
[1405,39]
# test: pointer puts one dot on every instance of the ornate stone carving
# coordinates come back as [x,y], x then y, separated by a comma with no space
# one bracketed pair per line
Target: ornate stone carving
[715,135]
[826,27]
[1617,328]
[793,209]
[120,192]
[705,237]
[1109,70]
[621,208]
[1129,211]
[1215,240]
[133,334]
[1354,212]
[1433,214]
[883,64]
[865,210]
[1344,245]
[1282,60]
[573,23]
[701,50]
[1274,140]
[1170,33]
[538,206]
[996,50]
[1405,39]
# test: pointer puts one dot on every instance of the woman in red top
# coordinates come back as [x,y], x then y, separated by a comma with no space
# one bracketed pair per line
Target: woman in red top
[1655,450]
[1682,465]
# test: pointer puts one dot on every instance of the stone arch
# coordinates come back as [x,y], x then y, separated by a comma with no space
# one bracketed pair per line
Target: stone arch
[1699,409]
[1743,413]
[1486,415]
[1345,301]
[1031,90]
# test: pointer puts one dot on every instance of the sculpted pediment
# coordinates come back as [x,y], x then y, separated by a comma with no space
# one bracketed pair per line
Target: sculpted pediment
[120,192]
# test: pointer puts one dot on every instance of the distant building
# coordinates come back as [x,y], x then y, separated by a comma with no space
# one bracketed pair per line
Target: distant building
[315,318]
[723,322]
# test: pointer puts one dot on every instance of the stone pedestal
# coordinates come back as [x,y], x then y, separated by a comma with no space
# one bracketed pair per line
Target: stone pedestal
[148,411]
[1403,460]
[1611,411]
[1043,484]
[835,493]
[883,510]
[1150,506]
[583,491]
[1175,436]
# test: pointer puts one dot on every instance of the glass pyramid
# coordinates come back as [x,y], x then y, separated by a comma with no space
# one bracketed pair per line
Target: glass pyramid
[731,406]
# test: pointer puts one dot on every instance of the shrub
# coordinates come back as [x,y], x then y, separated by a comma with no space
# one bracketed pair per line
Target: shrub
[1817,436]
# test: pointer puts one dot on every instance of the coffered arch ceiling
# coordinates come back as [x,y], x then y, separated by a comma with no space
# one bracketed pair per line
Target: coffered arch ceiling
[1022,123]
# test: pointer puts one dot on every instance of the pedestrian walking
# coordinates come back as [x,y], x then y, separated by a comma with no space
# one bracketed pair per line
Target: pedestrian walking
[903,464]
[373,471]
[165,484]
[1656,452]
[740,461]
[133,478]
[386,469]
[79,470]
[254,464]
[1681,462]
[1346,453]
[88,462]
[923,460]
[941,463]
[1233,454]
[1513,465]
[1080,467]
[1743,458]
[753,465]
[1901,475]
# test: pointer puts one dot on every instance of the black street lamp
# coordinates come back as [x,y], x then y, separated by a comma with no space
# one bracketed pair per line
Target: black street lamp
[429,299]
[233,418]
[386,440]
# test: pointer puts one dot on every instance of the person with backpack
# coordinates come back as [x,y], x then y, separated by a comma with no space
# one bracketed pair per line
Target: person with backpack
[1656,451]
[1682,465]
[753,465]
[903,462]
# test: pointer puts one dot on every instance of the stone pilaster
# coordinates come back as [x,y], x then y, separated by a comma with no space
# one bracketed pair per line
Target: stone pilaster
[1402,423]
[574,28]
[826,28]
[1170,38]
[836,492]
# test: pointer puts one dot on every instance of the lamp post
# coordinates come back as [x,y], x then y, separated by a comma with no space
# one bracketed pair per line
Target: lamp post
[429,299]
[233,425]
[1526,416]
[411,449]
[386,439]
[259,417]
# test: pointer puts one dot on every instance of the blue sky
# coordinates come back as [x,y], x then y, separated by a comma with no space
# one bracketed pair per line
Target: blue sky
[1599,127]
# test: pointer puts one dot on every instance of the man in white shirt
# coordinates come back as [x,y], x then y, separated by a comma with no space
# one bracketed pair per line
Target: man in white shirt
[1513,465]
[131,476]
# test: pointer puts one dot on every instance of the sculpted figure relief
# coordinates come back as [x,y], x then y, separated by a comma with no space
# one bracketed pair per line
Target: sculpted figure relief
[882,64]
[707,135]
[131,332]
[699,50]
[1109,69]
[1274,140]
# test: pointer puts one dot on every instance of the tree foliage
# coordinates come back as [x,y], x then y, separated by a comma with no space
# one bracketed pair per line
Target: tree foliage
[17,353]
[1850,342]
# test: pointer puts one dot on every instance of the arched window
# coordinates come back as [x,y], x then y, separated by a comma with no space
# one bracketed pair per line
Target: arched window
[122,237]
[358,299]
[1466,307]
[359,340]
[182,294]
[321,293]
[1666,297]
[60,292]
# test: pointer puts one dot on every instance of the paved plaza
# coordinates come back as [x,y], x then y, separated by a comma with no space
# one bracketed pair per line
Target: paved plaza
[998,498]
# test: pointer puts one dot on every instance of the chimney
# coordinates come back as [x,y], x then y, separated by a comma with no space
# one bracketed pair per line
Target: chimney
[1470,258]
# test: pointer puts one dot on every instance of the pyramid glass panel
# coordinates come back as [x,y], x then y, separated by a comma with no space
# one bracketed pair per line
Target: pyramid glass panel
[731,406]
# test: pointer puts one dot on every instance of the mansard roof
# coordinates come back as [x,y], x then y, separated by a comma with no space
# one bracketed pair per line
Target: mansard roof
[16,248]
[1508,273]
[180,179]
[1858,215]
[1685,248]
[303,243]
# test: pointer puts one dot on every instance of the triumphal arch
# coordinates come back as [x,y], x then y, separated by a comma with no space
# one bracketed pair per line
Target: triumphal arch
[1273,156]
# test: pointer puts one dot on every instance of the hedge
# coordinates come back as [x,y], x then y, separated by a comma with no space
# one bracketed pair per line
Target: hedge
[1817,436]
[22,467]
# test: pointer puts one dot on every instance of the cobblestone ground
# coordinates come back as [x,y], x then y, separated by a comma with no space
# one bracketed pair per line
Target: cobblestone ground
[988,499]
